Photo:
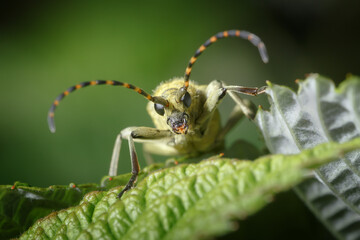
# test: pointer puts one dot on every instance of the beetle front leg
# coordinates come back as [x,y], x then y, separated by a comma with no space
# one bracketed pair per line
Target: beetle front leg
[139,134]
[135,167]
[247,107]
[235,116]
[214,93]
[252,91]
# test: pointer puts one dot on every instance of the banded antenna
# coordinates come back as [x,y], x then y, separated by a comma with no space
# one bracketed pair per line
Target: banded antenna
[51,113]
[255,40]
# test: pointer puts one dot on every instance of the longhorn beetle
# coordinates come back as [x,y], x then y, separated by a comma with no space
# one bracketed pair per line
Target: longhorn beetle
[185,114]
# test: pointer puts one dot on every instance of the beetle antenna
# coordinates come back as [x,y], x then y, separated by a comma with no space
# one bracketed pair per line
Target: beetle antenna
[255,40]
[51,121]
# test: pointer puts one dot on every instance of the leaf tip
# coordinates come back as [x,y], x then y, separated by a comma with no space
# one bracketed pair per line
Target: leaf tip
[311,75]
[269,83]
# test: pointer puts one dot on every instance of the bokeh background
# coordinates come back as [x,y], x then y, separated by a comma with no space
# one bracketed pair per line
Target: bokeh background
[47,46]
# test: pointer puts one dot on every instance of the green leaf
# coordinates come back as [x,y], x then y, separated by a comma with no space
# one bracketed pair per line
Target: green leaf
[320,113]
[189,201]
[21,205]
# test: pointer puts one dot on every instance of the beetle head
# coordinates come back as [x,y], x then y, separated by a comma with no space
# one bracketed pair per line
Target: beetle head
[177,116]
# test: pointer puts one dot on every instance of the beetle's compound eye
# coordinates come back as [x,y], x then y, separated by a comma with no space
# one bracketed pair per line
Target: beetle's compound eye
[159,108]
[186,99]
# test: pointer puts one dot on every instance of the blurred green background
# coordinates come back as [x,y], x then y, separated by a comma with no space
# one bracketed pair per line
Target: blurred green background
[47,46]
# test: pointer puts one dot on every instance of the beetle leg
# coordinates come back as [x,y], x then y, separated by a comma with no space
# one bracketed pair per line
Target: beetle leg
[252,91]
[235,116]
[138,134]
[214,93]
[246,106]
[135,167]
[148,158]
[115,156]
[242,107]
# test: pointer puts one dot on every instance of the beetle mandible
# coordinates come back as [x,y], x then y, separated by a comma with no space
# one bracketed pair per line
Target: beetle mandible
[185,114]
